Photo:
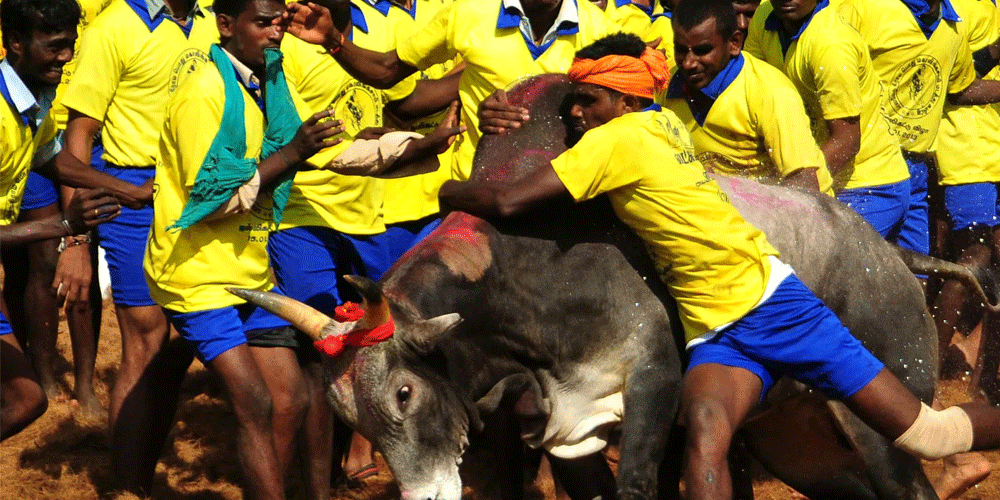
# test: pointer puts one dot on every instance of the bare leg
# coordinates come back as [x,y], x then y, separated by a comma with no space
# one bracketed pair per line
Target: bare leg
[952,311]
[360,460]
[317,434]
[289,396]
[22,398]
[715,400]
[84,321]
[41,306]
[144,397]
[252,404]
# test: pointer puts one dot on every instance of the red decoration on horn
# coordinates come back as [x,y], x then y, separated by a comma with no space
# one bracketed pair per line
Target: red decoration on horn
[362,337]
[347,312]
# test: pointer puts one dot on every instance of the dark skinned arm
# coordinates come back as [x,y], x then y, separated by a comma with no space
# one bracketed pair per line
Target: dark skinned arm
[312,23]
[802,178]
[427,98]
[88,209]
[497,200]
[498,116]
[979,92]
[71,167]
[843,144]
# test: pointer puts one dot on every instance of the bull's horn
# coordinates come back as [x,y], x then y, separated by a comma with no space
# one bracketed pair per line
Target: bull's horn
[375,304]
[301,316]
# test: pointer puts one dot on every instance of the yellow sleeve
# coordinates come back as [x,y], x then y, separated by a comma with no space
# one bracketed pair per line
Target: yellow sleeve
[588,169]
[784,126]
[99,68]
[835,68]
[963,73]
[755,32]
[435,43]
[189,113]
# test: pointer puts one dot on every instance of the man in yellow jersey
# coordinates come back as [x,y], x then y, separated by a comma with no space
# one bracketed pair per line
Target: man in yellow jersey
[828,62]
[921,57]
[66,271]
[132,57]
[737,128]
[227,140]
[38,40]
[534,36]
[745,10]
[769,325]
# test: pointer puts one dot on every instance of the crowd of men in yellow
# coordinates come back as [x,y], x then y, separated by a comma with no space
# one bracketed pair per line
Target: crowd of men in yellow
[860,99]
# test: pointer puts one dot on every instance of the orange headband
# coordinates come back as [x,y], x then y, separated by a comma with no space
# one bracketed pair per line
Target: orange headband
[641,76]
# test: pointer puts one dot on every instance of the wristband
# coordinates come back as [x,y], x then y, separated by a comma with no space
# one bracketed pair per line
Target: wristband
[83,239]
[336,49]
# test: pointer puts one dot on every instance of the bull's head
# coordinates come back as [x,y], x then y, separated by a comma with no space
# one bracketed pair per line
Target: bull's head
[389,392]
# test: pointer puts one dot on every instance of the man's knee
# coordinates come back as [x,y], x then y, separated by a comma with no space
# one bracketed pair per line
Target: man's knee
[291,404]
[709,430]
[937,434]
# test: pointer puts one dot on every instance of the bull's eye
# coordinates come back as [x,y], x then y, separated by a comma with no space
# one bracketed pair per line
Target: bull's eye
[403,395]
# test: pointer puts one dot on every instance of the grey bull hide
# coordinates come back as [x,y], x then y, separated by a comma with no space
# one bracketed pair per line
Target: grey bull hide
[565,326]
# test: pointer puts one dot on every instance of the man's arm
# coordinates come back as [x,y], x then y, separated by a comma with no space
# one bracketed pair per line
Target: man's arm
[427,98]
[843,144]
[88,209]
[495,200]
[312,23]
[802,178]
[977,93]
[71,167]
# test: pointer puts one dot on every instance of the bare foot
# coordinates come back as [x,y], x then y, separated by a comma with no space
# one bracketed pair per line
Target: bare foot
[961,472]
[89,404]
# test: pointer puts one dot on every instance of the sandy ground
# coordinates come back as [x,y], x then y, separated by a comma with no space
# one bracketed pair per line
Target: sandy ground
[62,456]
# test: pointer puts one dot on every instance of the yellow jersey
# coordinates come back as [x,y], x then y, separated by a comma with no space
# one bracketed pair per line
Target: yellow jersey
[128,66]
[714,262]
[968,149]
[748,132]
[18,141]
[187,270]
[662,27]
[917,71]
[828,62]
[89,9]
[348,204]
[630,17]
[487,34]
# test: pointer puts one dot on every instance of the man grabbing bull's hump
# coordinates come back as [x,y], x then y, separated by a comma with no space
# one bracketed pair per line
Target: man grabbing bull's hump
[747,317]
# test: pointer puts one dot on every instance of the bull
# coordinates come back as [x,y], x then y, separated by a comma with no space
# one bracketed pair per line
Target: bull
[581,341]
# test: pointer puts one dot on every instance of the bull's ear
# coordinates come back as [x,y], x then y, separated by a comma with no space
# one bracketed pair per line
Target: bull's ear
[424,334]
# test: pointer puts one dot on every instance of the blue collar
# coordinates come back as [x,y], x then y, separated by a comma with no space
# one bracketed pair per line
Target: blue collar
[668,15]
[153,12]
[17,95]
[773,23]
[246,79]
[654,107]
[358,21]
[678,90]
[919,8]
[566,23]
[382,6]
[647,10]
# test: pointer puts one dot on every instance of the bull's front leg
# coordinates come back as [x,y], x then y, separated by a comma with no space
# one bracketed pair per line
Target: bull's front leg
[652,396]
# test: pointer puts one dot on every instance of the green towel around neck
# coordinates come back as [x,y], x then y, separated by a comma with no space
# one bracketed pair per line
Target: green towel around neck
[225,167]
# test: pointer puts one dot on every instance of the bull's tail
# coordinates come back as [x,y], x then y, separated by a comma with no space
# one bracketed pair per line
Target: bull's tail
[980,280]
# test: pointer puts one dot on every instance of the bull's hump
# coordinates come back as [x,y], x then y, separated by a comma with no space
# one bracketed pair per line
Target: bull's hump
[461,243]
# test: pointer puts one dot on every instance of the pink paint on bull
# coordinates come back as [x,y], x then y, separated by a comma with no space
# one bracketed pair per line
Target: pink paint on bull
[459,243]
[752,194]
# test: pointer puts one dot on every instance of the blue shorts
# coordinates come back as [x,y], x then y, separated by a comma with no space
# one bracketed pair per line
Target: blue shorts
[884,207]
[216,331]
[124,242]
[39,192]
[405,235]
[793,333]
[309,263]
[916,232]
[972,205]
[5,328]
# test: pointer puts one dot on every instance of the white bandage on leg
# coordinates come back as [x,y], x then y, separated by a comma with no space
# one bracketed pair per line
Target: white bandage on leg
[937,434]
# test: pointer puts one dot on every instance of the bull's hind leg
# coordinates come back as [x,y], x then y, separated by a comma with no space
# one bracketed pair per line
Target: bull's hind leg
[985,382]
[892,473]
